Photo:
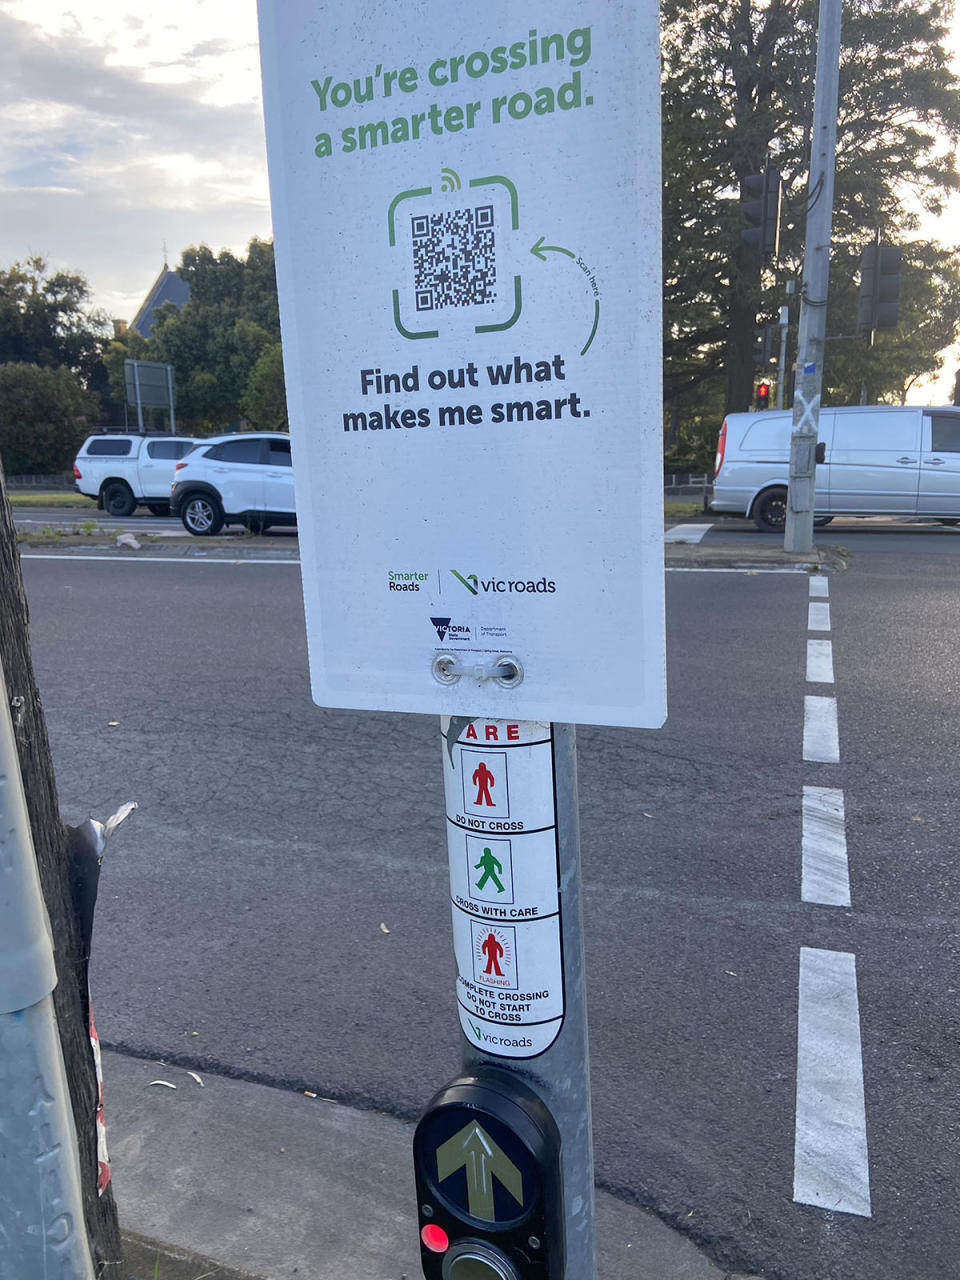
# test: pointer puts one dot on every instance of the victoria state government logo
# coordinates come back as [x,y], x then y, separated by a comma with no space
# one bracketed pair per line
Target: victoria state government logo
[446,629]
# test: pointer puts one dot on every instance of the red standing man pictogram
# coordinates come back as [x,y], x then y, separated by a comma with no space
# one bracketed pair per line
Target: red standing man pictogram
[493,951]
[484,780]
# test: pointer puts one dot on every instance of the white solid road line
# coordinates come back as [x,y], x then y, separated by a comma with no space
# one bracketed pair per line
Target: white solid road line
[133,558]
[818,616]
[831,1167]
[686,532]
[825,876]
[819,585]
[820,661]
[821,736]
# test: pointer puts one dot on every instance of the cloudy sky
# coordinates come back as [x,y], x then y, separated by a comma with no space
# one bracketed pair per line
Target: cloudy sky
[123,129]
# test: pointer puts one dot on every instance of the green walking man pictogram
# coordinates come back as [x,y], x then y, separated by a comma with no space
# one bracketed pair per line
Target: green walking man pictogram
[490,867]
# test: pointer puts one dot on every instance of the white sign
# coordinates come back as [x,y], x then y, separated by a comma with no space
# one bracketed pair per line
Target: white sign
[504,888]
[466,215]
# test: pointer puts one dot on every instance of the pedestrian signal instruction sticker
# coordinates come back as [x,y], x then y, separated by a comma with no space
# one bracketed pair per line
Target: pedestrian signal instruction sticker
[504,884]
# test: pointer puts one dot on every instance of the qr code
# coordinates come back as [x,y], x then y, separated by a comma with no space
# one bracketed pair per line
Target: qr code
[454,264]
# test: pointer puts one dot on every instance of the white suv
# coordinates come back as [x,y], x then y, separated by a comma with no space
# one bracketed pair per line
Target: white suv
[238,479]
[122,469]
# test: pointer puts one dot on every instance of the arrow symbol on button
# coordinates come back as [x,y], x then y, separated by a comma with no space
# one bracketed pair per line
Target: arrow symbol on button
[475,1151]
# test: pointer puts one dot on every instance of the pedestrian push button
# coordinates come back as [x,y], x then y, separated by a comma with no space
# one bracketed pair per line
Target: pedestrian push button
[489,1184]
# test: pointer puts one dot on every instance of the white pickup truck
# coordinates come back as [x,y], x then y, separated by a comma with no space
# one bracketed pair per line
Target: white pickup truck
[123,470]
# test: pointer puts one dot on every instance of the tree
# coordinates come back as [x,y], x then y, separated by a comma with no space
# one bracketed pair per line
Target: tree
[52,842]
[929,322]
[44,415]
[738,87]
[45,319]
[264,398]
[215,341]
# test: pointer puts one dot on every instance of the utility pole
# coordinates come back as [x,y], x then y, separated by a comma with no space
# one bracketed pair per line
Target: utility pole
[798,535]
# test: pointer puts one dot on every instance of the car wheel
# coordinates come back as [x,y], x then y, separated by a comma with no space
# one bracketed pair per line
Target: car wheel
[770,510]
[158,508]
[201,514]
[118,501]
[820,522]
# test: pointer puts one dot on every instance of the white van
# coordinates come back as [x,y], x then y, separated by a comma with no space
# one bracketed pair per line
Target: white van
[872,460]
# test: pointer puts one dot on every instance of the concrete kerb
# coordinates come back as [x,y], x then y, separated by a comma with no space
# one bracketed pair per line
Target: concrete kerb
[242,546]
[241,1181]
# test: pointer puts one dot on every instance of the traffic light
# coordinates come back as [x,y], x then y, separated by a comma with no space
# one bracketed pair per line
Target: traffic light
[879,287]
[489,1187]
[763,344]
[760,200]
[763,395]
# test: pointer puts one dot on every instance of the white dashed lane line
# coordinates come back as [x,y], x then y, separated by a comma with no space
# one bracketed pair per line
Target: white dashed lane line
[820,661]
[830,1167]
[819,586]
[686,532]
[818,615]
[825,875]
[821,736]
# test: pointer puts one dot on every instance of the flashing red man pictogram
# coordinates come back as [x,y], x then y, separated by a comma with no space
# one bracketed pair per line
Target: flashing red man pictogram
[483,780]
[493,951]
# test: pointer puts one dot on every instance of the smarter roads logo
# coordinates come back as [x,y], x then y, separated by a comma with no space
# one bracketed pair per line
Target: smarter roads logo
[501,586]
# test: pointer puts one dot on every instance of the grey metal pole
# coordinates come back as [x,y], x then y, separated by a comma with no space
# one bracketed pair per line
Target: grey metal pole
[560,1075]
[42,1230]
[798,534]
[173,424]
[136,384]
[782,362]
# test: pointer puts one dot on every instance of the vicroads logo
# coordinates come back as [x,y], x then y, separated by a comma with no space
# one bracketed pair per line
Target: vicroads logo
[470,581]
[517,586]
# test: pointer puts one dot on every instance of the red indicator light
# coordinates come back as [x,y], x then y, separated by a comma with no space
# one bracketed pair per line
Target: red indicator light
[435,1238]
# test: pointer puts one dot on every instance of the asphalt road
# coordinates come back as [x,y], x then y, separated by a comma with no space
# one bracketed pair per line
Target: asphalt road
[277,908]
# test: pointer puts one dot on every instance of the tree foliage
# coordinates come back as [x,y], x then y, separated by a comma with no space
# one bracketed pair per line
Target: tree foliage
[738,89]
[216,340]
[44,415]
[265,398]
[45,319]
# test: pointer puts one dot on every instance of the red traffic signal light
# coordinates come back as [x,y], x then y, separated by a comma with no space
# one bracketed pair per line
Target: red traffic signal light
[763,395]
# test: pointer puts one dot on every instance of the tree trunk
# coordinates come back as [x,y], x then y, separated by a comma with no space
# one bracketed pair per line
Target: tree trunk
[51,839]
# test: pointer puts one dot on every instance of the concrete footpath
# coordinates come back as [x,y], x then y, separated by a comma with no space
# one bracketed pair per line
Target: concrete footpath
[228,1181]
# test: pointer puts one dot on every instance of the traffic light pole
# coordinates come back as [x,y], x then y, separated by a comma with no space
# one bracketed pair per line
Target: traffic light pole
[561,1076]
[782,360]
[514,852]
[798,534]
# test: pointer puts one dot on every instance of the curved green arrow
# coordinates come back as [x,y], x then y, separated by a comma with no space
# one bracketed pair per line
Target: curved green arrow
[540,250]
[593,331]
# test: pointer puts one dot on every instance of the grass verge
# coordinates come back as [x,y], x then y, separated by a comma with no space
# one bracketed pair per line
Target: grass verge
[60,498]
[690,507]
